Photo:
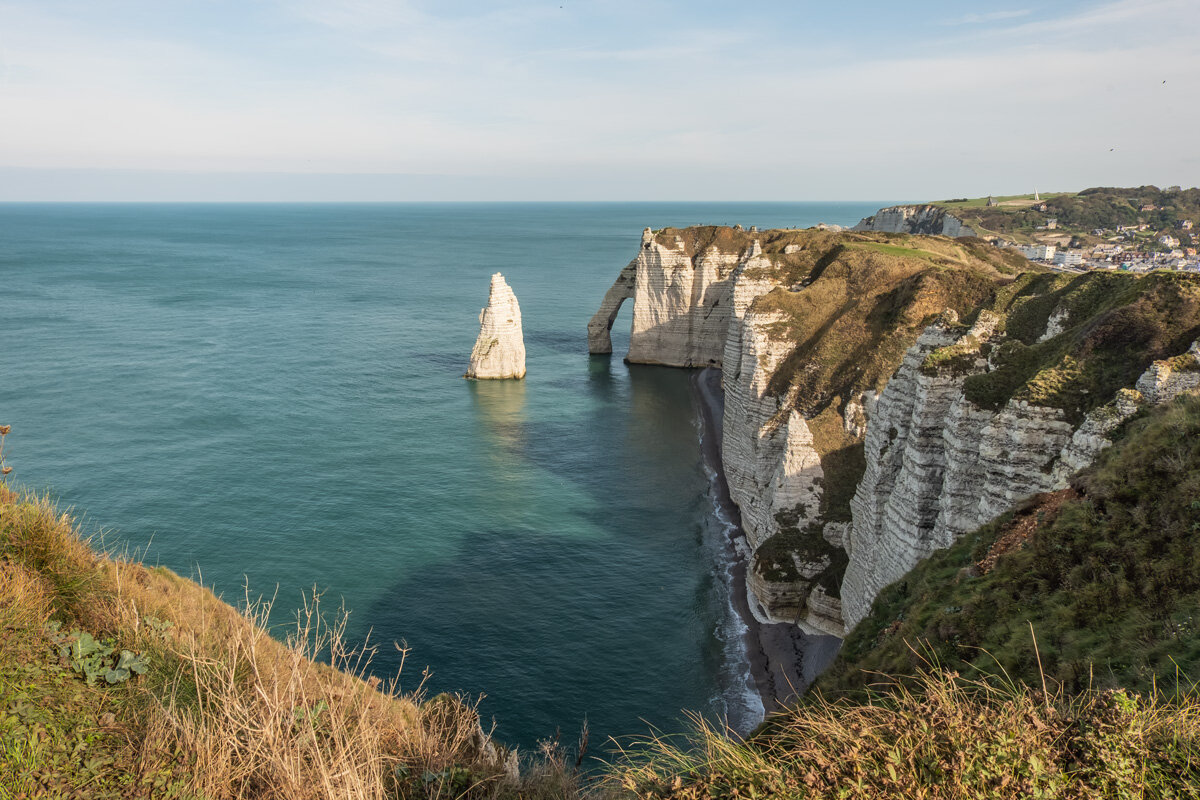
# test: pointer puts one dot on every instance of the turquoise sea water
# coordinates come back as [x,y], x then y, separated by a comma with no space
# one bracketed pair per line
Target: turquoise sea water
[271,396]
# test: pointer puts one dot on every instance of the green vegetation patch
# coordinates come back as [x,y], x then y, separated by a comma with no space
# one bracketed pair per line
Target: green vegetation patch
[1108,581]
[865,302]
[59,737]
[1006,260]
[1080,213]
[1185,362]
[1115,326]
[901,251]
[960,358]
[60,728]
[843,462]
[773,559]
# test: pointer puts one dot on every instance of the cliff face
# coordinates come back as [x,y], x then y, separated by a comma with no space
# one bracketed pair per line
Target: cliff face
[865,425]
[680,303]
[922,219]
[809,324]
[938,467]
[962,433]
[499,350]
[770,462]
[1104,571]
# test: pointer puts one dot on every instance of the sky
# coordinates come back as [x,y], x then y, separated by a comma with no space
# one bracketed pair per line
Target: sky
[373,100]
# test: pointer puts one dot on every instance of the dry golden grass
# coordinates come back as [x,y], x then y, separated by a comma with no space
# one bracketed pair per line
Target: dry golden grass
[946,739]
[225,710]
[699,238]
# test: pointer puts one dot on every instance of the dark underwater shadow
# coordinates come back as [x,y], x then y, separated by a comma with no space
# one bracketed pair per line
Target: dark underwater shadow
[555,631]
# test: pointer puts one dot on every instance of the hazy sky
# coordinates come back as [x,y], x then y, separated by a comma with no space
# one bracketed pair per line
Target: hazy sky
[573,100]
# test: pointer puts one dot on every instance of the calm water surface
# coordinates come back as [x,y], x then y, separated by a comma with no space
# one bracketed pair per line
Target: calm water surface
[271,396]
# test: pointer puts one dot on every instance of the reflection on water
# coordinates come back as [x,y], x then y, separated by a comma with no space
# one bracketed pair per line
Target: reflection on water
[500,408]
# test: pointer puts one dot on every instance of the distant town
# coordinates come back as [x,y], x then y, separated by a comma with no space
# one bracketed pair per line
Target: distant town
[1133,248]
[1135,230]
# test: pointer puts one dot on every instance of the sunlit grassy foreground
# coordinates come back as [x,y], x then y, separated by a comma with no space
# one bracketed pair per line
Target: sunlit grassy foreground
[944,737]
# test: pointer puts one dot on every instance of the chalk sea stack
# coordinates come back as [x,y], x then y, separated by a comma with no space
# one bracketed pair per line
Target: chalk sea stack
[499,351]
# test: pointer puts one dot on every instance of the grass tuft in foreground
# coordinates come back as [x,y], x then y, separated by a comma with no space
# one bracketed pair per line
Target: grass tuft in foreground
[938,736]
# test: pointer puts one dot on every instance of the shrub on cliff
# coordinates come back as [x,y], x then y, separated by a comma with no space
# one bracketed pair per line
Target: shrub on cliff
[1111,328]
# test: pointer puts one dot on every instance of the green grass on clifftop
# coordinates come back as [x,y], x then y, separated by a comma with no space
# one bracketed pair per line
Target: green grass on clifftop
[1113,327]
[1079,212]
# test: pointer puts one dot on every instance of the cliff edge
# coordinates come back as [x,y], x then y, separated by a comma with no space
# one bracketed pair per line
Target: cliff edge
[810,323]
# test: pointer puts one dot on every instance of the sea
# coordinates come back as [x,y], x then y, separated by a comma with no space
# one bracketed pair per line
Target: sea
[269,398]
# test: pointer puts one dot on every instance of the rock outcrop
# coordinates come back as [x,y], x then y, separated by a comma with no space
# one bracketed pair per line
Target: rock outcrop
[680,304]
[922,219]
[600,325]
[499,350]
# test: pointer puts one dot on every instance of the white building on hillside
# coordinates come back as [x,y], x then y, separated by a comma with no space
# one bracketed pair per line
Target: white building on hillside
[1039,252]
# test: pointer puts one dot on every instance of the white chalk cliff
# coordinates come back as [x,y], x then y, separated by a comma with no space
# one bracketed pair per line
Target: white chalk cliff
[499,350]
[922,219]
[937,465]
[694,310]
[680,305]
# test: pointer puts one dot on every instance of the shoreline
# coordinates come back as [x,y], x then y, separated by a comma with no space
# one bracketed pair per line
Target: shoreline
[784,660]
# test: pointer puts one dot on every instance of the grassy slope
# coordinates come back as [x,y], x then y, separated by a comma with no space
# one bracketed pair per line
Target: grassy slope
[1080,212]
[862,301]
[1106,576]
[1115,326]
[946,738]
[223,709]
